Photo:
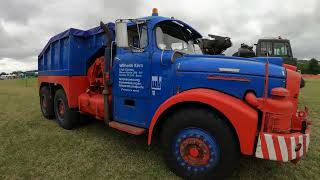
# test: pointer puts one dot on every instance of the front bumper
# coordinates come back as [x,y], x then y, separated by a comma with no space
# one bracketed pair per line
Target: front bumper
[282,147]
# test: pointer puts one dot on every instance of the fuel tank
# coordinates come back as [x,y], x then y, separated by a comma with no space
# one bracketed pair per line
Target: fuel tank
[92,103]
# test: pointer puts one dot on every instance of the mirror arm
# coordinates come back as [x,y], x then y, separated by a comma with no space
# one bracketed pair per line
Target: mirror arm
[107,32]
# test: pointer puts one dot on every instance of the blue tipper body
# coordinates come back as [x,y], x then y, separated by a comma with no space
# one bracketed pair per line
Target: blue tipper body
[67,53]
[156,79]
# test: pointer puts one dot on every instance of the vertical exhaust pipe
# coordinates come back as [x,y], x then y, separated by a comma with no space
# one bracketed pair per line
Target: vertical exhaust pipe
[266,87]
[106,77]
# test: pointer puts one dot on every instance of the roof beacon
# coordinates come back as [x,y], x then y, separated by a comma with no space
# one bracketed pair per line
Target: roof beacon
[154,12]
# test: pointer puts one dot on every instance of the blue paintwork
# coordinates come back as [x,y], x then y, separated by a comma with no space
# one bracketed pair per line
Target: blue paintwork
[191,73]
[68,54]
[194,63]
[206,138]
[272,60]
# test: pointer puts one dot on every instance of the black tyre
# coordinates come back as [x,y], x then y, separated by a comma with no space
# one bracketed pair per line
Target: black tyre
[46,103]
[199,144]
[66,117]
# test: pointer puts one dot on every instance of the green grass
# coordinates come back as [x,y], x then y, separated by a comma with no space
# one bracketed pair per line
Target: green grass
[32,147]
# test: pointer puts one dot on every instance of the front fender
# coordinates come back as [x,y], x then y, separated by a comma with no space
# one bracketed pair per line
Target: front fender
[243,118]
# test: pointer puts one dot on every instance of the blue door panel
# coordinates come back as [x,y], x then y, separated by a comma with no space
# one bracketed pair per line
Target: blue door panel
[131,86]
[135,115]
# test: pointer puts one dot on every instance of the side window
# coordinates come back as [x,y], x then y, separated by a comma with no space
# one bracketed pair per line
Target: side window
[280,49]
[288,49]
[266,47]
[134,35]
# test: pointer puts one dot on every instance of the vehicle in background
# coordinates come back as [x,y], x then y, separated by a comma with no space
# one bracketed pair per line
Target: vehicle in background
[273,47]
[8,77]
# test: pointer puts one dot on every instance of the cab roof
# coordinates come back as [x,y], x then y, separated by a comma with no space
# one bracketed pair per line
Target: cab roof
[274,39]
[154,20]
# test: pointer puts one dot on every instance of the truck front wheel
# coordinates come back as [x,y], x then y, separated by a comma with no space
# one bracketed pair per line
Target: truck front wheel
[199,144]
[46,102]
[65,116]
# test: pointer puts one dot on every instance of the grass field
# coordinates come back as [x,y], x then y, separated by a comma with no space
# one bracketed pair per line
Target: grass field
[32,147]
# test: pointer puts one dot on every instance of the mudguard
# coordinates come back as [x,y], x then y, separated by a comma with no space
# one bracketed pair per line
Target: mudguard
[243,118]
[73,86]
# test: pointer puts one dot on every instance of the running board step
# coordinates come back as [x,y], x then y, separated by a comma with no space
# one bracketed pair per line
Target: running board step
[127,128]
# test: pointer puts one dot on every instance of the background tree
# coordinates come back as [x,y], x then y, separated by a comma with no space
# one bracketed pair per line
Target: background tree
[303,66]
[309,66]
[314,67]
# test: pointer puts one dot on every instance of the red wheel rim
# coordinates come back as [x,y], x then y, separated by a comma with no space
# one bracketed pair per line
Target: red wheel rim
[61,108]
[195,151]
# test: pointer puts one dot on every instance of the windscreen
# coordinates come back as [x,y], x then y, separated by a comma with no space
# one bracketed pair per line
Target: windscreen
[172,35]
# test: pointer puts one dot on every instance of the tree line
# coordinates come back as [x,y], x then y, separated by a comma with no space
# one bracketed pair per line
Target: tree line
[21,73]
[311,66]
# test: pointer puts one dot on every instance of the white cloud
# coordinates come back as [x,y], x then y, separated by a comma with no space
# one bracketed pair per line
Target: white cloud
[8,64]
[26,26]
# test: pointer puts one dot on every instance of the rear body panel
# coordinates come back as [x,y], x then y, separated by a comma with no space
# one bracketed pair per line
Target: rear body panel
[73,86]
[68,53]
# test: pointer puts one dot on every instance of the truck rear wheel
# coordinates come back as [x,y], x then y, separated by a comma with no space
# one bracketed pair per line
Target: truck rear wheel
[46,103]
[65,116]
[198,144]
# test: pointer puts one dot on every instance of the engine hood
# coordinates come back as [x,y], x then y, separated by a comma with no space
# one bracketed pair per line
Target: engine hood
[225,64]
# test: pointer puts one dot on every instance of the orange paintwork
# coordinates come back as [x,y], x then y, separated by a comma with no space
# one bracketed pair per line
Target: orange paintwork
[243,118]
[92,101]
[293,85]
[127,128]
[291,67]
[278,111]
[72,85]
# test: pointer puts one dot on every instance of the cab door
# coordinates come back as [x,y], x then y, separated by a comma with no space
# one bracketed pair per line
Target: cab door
[131,79]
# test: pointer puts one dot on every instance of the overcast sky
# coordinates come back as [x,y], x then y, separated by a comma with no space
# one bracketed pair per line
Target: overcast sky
[26,26]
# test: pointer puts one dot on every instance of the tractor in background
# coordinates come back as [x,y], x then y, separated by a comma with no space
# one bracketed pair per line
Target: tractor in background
[272,47]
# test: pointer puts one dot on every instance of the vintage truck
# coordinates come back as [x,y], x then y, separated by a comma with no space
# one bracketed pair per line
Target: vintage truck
[152,76]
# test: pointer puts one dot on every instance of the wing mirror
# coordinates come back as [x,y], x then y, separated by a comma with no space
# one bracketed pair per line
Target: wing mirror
[122,34]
